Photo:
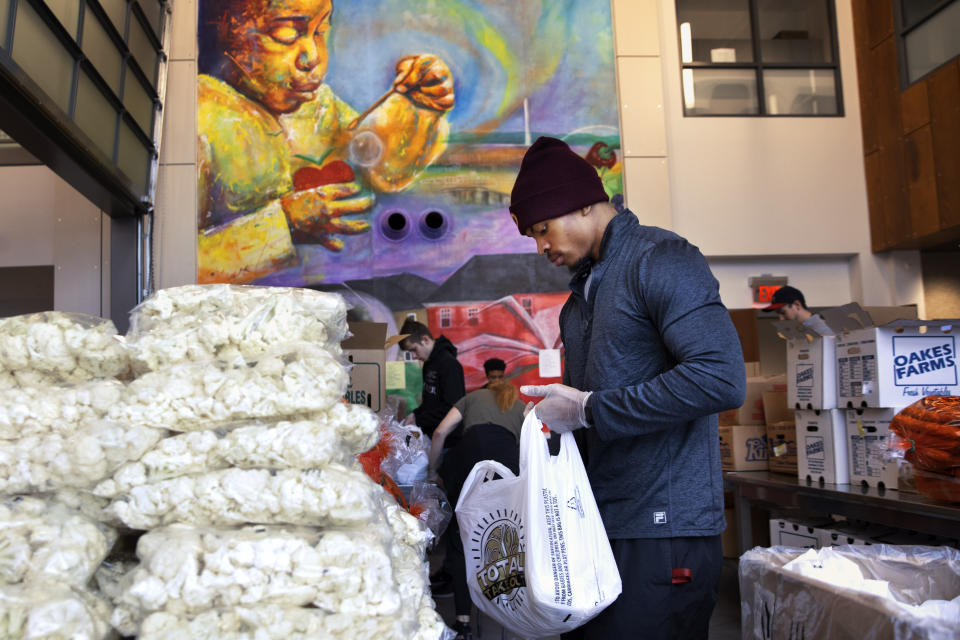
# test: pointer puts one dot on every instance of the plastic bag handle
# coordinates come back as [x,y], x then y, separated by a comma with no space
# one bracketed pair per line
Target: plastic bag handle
[481,473]
[533,443]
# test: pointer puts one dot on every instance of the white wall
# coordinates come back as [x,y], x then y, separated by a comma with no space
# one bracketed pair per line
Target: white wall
[45,221]
[748,191]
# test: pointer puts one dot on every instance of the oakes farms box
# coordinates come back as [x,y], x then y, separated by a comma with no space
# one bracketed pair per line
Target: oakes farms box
[743,447]
[364,350]
[822,446]
[811,369]
[896,364]
[867,434]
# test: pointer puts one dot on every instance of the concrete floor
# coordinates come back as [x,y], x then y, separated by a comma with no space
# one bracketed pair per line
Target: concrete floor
[724,625]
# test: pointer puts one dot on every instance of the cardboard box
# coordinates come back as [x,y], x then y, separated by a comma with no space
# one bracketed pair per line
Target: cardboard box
[801,534]
[751,412]
[365,349]
[775,409]
[780,603]
[843,533]
[743,447]
[894,364]
[867,434]
[822,446]
[811,367]
[782,447]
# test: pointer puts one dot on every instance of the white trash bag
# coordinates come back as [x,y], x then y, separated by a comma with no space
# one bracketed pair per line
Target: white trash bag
[538,559]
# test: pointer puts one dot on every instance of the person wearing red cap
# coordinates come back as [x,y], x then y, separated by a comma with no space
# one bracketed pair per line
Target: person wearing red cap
[790,305]
[651,357]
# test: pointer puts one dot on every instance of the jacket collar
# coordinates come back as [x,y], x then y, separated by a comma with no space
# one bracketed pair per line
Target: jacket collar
[609,248]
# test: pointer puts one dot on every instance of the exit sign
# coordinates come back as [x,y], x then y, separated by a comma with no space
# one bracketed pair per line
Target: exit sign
[764,287]
[765,293]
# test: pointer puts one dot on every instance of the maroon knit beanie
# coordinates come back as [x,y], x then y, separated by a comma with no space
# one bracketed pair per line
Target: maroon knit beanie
[553,181]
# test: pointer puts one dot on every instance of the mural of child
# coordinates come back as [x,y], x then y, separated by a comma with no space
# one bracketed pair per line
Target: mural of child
[282,159]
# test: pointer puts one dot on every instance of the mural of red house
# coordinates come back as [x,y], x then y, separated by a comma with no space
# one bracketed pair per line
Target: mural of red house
[503,306]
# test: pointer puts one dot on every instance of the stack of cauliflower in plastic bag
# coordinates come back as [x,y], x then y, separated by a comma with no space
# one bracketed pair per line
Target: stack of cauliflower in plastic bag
[236,455]
[59,375]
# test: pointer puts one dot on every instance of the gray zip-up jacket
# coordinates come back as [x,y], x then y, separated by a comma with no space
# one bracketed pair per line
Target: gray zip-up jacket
[658,349]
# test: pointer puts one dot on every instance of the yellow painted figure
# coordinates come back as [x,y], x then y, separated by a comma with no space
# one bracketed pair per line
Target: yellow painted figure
[264,114]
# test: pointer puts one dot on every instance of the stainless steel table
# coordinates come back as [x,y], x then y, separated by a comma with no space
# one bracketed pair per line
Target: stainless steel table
[891,508]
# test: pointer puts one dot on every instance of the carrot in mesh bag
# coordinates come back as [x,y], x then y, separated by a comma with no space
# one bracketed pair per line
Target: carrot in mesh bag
[929,434]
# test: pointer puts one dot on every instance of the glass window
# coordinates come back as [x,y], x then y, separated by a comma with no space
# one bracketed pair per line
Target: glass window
[715,31]
[914,11]
[794,31]
[4,21]
[139,103]
[142,49]
[720,91]
[42,56]
[117,11]
[133,157]
[102,52]
[95,116]
[153,12]
[933,42]
[730,49]
[795,92]
[68,13]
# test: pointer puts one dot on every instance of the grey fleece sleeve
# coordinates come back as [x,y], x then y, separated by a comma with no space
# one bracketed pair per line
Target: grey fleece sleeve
[681,298]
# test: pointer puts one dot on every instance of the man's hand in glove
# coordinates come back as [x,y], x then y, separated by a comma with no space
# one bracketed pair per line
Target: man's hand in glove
[562,409]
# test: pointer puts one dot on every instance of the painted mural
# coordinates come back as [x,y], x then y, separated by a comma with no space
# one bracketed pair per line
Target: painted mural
[362,141]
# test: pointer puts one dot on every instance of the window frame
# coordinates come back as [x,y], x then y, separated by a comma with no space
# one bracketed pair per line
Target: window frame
[758,66]
[902,30]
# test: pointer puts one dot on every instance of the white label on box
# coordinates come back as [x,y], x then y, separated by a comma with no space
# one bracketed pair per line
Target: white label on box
[805,383]
[866,455]
[928,361]
[816,454]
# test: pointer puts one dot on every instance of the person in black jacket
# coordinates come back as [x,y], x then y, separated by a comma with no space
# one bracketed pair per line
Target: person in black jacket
[442,375]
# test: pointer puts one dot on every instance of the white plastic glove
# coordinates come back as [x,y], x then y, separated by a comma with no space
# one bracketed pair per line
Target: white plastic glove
[562,409]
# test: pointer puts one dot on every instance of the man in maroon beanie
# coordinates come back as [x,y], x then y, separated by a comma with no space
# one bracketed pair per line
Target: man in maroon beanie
[651,357]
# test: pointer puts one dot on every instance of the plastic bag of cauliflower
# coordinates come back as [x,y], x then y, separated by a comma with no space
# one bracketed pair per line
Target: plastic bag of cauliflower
[52,611]
[55,348]
[185,571]
[41,410]
[78,458]
[42,540]
[332,496]
[293,380]
[224,322]
[329,437]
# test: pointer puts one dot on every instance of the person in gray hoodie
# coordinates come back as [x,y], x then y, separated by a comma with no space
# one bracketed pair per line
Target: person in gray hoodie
[651,357]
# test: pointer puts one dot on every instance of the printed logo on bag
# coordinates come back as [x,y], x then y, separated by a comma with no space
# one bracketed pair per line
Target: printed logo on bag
[928,362]
[756,449]
[575,503]
[659,517]
[500,551]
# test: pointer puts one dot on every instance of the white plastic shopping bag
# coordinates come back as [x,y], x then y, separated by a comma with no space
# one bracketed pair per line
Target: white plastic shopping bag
[538,559]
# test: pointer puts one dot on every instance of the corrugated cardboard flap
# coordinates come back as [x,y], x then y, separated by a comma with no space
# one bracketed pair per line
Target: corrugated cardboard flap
[793,331]
[366,335]
[848,317]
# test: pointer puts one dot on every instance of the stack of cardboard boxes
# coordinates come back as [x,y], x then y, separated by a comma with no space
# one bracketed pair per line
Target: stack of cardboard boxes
[743,431]
[812,394]
[883,363]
